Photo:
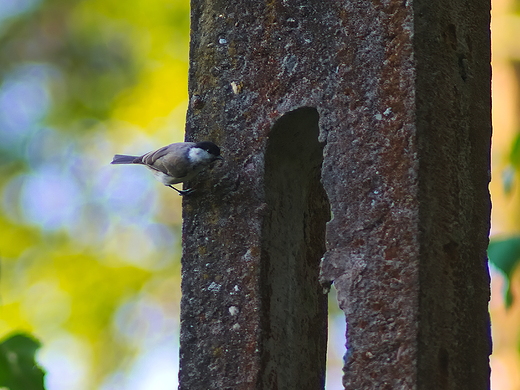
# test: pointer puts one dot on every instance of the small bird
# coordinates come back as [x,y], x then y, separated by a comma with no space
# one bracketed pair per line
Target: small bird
[175,163]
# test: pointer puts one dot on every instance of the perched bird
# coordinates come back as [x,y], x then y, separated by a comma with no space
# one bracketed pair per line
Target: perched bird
[175,163]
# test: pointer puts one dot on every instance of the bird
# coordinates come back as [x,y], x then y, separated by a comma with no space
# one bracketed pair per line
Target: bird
[175,163]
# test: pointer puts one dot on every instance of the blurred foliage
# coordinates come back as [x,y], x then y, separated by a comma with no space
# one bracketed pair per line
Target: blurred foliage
[104,55]
[505,255]
[18,368]
[89,253]
[514,155]
[504,248]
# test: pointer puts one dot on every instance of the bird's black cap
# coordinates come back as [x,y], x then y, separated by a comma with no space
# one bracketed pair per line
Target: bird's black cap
[209,147]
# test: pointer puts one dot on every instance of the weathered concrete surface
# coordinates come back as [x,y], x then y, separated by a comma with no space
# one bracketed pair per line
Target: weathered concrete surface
[402,93]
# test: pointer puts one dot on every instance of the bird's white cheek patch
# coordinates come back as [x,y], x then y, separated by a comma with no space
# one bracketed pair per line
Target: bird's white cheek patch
[198,155]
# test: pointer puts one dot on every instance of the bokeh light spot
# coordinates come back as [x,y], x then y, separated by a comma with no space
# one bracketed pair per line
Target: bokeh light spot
[50,199]
[24,101]
[11,8]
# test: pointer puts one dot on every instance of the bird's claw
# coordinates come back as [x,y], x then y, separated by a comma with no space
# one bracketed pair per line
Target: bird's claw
[189,191]
[183,192]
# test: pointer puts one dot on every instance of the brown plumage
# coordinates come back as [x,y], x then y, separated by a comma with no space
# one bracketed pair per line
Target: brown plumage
[175,163]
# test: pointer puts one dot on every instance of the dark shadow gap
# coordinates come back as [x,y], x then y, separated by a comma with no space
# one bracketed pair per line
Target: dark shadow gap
[294,308]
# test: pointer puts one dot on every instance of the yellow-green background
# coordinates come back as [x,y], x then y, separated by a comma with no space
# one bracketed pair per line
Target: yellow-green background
[89,252]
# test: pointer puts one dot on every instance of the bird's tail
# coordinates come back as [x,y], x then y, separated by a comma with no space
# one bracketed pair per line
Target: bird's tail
[123,159]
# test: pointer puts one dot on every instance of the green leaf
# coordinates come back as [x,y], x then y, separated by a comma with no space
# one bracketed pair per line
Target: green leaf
[505,255]
[18,368]
[514,155]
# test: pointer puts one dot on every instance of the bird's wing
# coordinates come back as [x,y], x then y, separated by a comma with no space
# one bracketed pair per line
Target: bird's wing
[151,157]
[170,164]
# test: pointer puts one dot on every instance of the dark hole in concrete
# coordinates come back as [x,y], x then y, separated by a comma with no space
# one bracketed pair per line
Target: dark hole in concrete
[294,305]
